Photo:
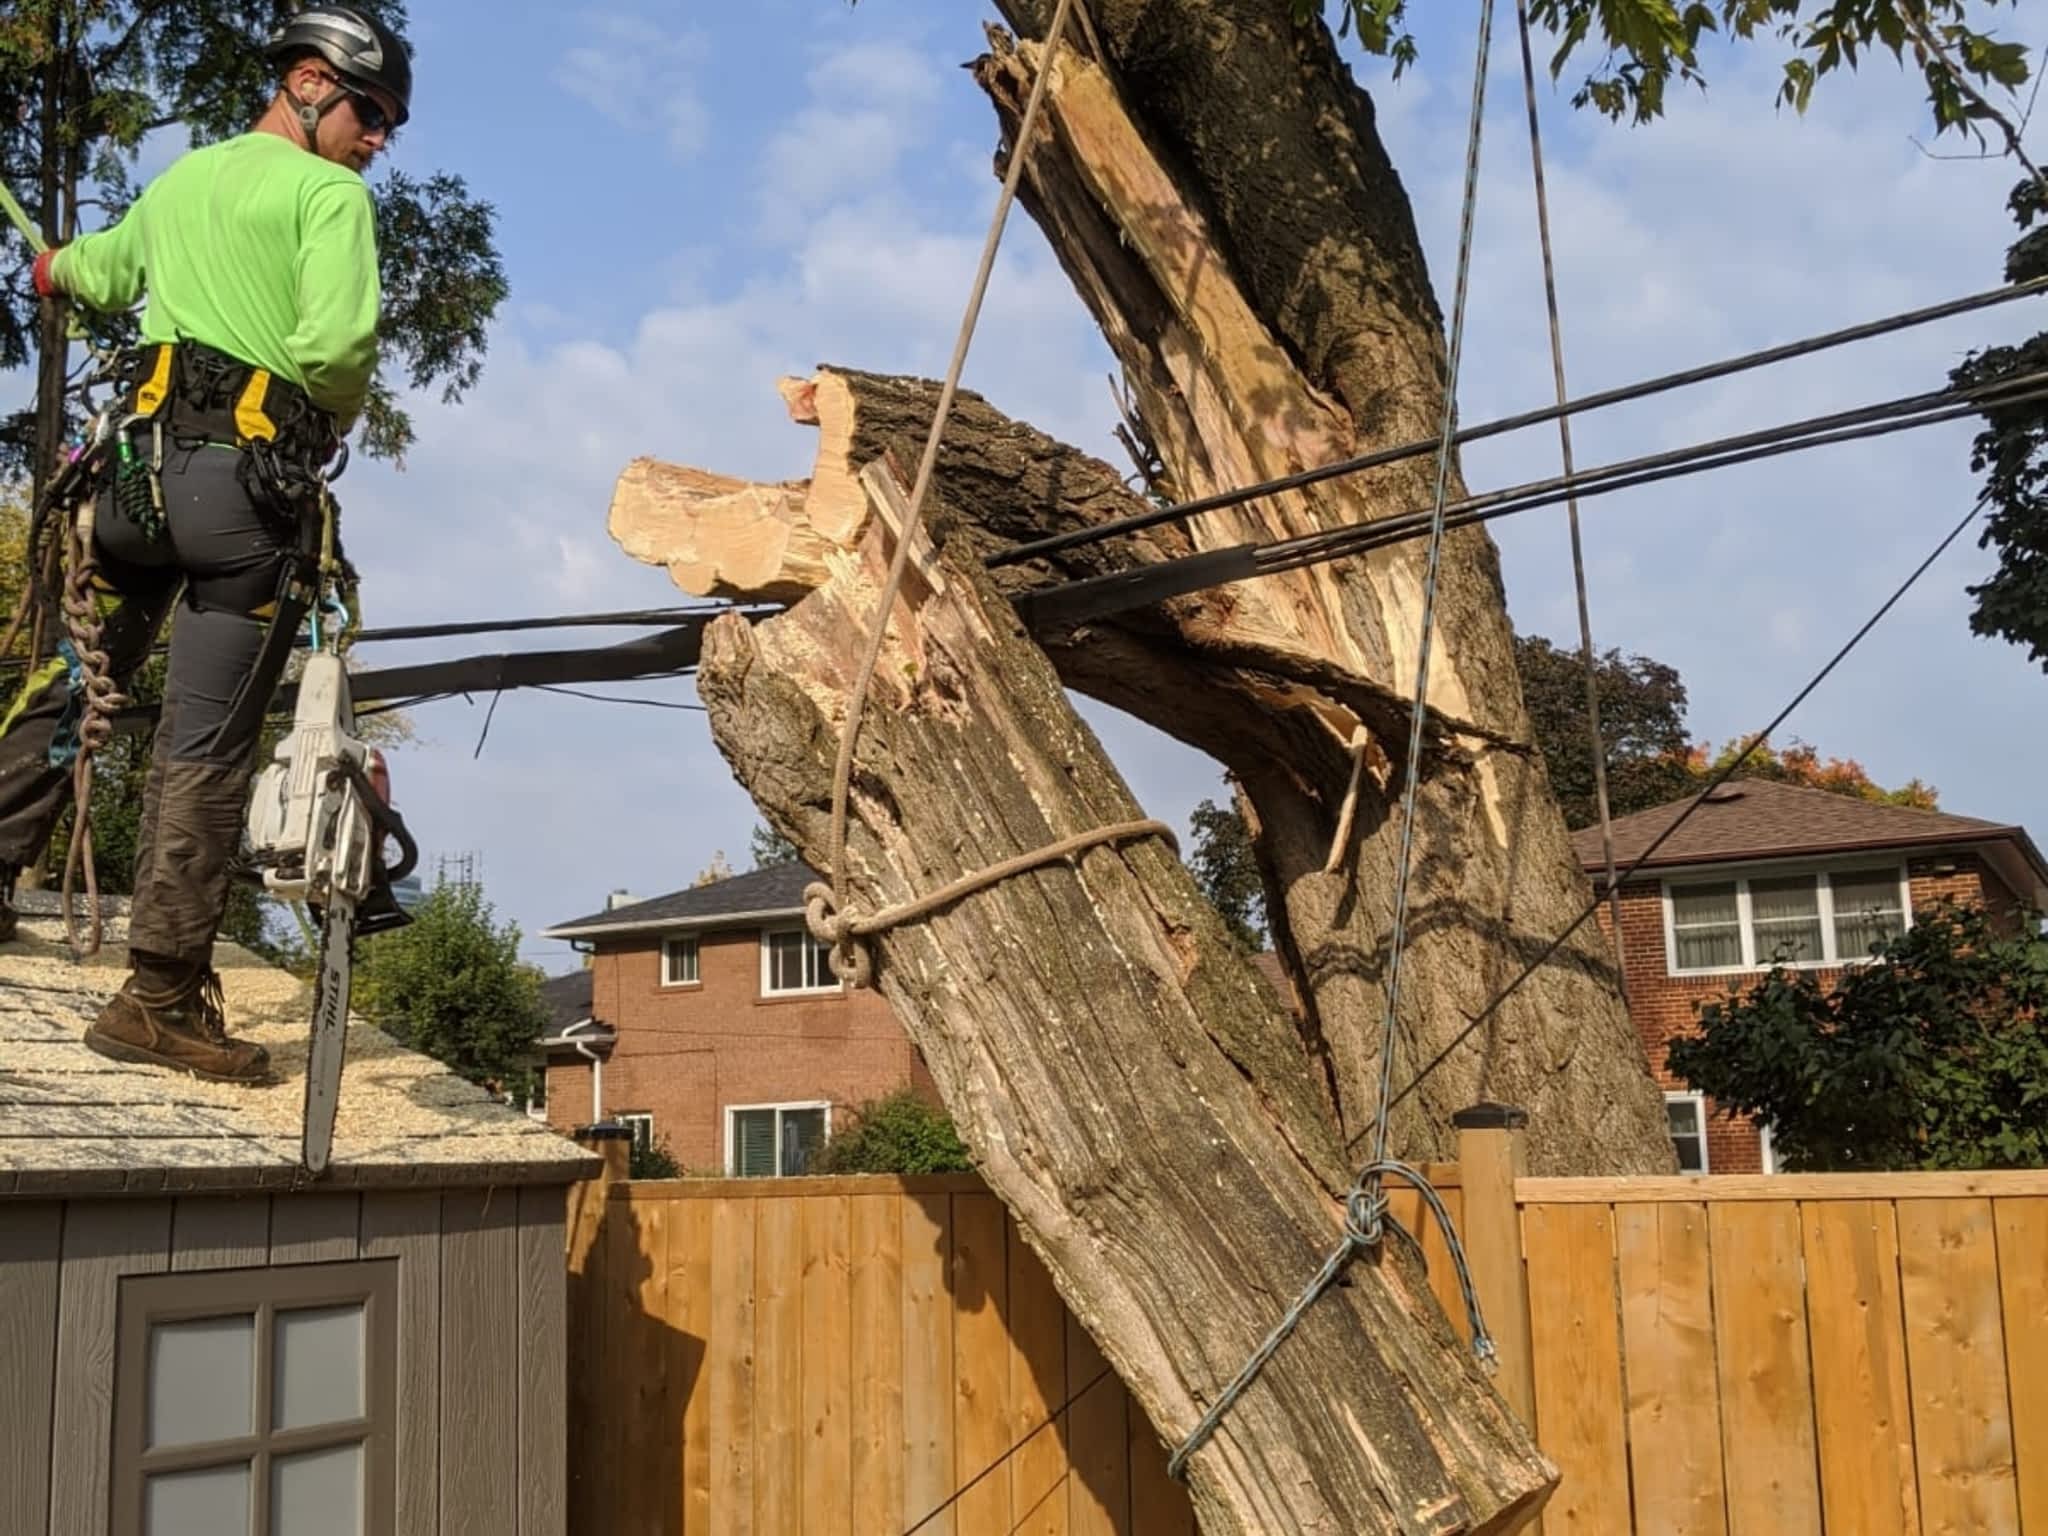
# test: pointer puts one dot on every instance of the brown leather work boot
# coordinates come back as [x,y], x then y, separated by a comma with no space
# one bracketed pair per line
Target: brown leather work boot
[182,1026]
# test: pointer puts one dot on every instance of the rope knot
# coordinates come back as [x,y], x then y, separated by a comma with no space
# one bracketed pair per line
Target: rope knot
[1365,1212]
[833,929]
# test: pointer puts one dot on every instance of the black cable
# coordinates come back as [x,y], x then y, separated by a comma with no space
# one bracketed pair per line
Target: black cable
[614,698]
[1038,1429]
[1705,373]
[1726,772]
[630,616]
[1073,602]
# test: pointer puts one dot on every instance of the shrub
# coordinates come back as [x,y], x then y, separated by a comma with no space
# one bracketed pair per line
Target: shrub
[902,1133]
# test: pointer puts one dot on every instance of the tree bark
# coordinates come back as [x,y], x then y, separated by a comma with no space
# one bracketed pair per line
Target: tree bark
[1132,1090]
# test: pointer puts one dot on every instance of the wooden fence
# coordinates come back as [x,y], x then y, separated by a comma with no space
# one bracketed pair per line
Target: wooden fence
[1860,1356]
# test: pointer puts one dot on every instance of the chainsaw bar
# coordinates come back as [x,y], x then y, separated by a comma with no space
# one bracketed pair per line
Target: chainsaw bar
[329,1041]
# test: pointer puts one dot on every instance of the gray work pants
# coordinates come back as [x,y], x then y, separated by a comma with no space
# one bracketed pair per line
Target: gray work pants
[232,633]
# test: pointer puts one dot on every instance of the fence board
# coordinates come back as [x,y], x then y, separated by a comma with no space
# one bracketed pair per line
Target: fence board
[876,1319]
[797,1356]
[731,1367]
[1099,1488]
[1955,1356]
[778,1367]
[981,1362]
[1667,1325]
[2023,1290]
[928,1361]
[1575,1345]
[827,1367]
[688,1319]
[1859,1368]
[1761,1357]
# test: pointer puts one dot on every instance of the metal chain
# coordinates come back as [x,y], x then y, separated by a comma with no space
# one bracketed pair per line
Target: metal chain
[101,698]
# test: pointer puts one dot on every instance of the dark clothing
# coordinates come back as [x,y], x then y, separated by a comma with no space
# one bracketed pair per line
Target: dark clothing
[234,626]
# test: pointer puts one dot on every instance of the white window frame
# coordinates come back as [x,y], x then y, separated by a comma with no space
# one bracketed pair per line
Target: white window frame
[1699,1104]
[634,1121]
[824,989]
[696,977]
[734,1111]
[1740,876]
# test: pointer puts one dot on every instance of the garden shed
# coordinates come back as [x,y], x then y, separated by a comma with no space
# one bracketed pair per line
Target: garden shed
[197,1340]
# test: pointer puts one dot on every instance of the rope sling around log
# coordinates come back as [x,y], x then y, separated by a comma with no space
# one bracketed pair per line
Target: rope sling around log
[825,911]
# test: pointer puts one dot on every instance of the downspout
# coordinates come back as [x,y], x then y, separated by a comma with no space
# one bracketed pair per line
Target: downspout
[596,1068]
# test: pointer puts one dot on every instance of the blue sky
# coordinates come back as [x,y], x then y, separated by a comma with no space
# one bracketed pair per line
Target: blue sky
[690,209]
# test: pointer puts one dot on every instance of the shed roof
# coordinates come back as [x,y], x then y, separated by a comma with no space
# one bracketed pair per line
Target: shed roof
[73,1122]
[771,892]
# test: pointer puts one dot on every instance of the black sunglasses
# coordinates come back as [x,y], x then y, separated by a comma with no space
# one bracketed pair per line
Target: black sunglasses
[368,113]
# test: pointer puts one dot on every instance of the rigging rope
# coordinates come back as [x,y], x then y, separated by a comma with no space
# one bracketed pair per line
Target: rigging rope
[1365,1207]
[1564,443]
[827,902]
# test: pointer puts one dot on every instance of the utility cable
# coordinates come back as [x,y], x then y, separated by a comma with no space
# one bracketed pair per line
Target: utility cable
[1720,778]
[1705,373]
[1596,739]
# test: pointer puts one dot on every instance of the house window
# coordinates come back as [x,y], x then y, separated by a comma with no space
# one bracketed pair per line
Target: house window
[1687,1113]
[793,961]
[774,1140]
[679,960]
[257,1400]
[1825,917]
[641,1124]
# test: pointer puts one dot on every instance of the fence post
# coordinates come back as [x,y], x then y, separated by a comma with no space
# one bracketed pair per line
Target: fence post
[1492,1154]
[589,1447]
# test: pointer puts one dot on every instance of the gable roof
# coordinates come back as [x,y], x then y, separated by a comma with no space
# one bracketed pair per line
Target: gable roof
[774,892]
[75,1123]
[1761,819]
[567,999]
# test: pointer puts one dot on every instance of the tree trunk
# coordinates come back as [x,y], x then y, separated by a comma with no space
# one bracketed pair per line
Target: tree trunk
[1132,1090]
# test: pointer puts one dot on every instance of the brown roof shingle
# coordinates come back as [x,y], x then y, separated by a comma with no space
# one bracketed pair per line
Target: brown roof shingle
[1757,818]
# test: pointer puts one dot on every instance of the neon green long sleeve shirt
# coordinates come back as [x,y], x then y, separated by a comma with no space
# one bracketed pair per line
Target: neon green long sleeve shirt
[253,246]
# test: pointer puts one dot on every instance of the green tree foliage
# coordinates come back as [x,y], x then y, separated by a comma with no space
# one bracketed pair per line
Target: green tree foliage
[767,846]
[652,1160]
[83,82]
[1638,47]
[1933,1056]
[1642,721]
[2011,453]
[1228,873]
[902,1133]
[450,984]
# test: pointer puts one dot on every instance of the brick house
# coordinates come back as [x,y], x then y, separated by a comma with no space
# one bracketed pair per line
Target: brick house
[1762,867]
[712,1021]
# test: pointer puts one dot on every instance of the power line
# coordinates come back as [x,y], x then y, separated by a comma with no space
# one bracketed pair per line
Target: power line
[623,618]
[1073,602]
[1705,373]
[1726,772]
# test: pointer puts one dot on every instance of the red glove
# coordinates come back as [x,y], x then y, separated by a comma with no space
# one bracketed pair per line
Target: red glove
[46,286]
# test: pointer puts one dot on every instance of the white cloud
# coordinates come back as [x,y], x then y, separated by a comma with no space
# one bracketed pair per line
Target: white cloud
[637,72]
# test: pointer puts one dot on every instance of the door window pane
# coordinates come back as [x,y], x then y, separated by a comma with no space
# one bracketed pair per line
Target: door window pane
[211,1502]
[1706,926]
[803,1132]
[318,1373]
[318,1493]
[1786,914]
[202,1377]
[753,1143]
[1867,908]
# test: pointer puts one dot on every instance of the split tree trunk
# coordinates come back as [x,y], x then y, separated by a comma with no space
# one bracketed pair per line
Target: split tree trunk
[1131,1089]
[1212,182]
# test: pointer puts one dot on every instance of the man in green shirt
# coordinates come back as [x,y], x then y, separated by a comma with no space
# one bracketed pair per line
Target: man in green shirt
[259,258]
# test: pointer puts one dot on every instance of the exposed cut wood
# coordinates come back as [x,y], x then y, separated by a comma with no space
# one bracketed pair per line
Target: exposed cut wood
[1135,1095]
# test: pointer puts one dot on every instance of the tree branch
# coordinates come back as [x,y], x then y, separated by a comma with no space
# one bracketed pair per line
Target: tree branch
[1931,41]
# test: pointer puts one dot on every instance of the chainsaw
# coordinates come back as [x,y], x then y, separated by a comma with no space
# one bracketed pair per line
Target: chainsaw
[319,817]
